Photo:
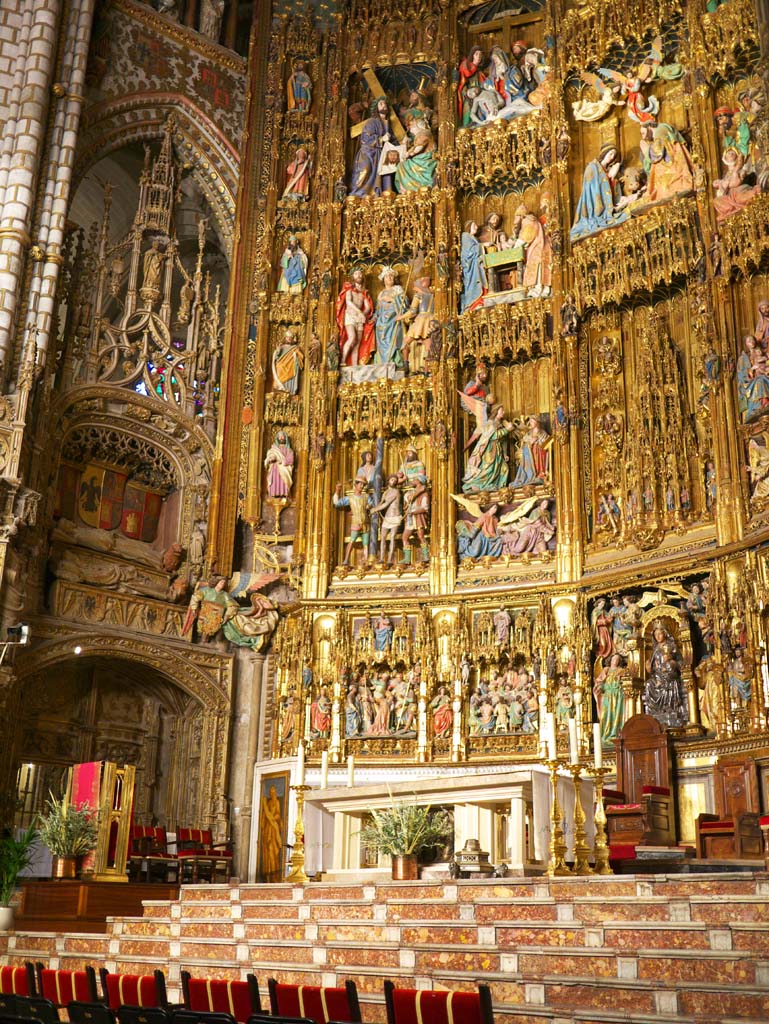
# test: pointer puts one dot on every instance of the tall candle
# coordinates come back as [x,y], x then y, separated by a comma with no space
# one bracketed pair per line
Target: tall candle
[552,743]
[351,771]
[324,770]
[300,765]
[307,721]
[573,749]
[597,745]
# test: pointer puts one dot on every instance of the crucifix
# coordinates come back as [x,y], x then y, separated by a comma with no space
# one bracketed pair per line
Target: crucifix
[378,90]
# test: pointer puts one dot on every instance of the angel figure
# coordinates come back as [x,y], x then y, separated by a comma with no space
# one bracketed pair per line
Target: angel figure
[488,467]
[609,95]
[640,108]
[652,67]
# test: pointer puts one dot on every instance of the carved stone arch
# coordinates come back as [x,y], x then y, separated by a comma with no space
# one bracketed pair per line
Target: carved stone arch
[206,678]
[165,428]
[199,145]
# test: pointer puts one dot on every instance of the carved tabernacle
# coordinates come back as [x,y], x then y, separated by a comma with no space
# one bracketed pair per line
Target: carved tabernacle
[746,236]
[501,152]
[638,255]
[520,331]
[387,225]
[590,28]
[397,407]
[726,31]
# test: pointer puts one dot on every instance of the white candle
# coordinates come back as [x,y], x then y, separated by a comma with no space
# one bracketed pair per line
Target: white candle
[300,765]
[324,770]
[351,771]
[597,745]
[552,742]
[573,749]
[307,721]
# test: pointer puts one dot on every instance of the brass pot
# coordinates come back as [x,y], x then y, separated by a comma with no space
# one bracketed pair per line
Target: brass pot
[405,868]
[63,867]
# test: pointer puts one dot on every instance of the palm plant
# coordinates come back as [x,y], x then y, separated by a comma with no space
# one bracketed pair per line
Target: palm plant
[405,828]
[66,830]
[15,855]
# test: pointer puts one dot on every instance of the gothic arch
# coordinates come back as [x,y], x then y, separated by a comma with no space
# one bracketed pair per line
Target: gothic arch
[199,144]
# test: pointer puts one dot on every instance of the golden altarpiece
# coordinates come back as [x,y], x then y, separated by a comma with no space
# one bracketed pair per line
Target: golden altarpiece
[500,404]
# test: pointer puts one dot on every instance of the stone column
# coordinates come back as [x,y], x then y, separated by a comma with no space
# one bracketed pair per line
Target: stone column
[516,829]
[246,701]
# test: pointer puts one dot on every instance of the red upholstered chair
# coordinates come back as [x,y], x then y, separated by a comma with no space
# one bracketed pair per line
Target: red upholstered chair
[733,831]
[63,987]
[763,824]
[213,995]
[412,1006]
[18,981]
[149,853]
[319,1004]
[641,811]
[200,857]
[133,989]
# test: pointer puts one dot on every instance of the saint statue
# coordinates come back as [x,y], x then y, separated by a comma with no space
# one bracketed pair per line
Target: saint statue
[488,467]
[391,307]
[365,180]
[600,204]
[287,360]
[299,89]
[355,320]
[279,463]
[474,280]
[293,268]
[271,838]
[298,176]
[664,697]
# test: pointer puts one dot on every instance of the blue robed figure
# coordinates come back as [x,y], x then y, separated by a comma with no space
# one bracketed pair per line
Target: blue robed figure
[374,133]
[598,203]
[474,281]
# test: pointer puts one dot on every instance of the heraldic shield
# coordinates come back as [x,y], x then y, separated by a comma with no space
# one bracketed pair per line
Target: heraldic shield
[210,619]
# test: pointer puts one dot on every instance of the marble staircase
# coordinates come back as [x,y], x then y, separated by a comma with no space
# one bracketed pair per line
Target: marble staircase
[671,949]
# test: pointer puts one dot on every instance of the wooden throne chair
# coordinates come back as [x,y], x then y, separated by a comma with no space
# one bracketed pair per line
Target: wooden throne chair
[733,832]
[641,811]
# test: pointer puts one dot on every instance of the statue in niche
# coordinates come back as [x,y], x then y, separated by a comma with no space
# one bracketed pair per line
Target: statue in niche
[502,624]
[474,280]
[488,467]
[279,463]
[293,268]
[391,505]
[610,699]
[510,84]
[664,697]
[287,360]
[666,161]
[298,177]
[739,673]
[391,306]
[443,715]
[564,703]
[299,89]
[419,317]
[538,268]
[417,168]
[732,191]
[211,12]
[320,713]
[416,508]
[359,503]
[758,467]
[470,76]
[537,75]
[152,266]
[355,320]
[752,380]
[601,622]
[533,455]
[365,178]
[384,631]
[600,204]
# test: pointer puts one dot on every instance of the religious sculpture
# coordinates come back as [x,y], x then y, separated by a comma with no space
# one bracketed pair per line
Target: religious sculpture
[416,509]
[298,177]
[470,76]
[213,609]
[417,168]
[664,697]
[752,380]
[488,467]
[391,507]
[211,12]
[502,623]
[355,321]
[293,268]
[287,361]
[391,307]
[533,455]
[443,715]
[610,699]
[359,502]
[299,89]
[279,463]
[474,279]
[365,177]
[271,838]
[600,204]
[419,317]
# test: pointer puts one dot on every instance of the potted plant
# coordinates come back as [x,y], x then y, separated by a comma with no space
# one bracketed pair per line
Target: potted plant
[69,832]
[402,831]
[15,855]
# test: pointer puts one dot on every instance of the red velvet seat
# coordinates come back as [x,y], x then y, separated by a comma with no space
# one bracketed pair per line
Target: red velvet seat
[63,987]
[18,981]
[413,1006]
[319,1004]
[134,989]
[149,853]
[200,857]
[213,995]
[733,831]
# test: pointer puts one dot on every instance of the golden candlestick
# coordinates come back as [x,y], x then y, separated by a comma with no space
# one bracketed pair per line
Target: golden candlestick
[297,872]
[581,849]
[557,863]
[602,866]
